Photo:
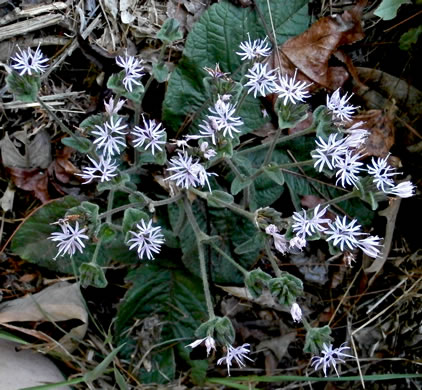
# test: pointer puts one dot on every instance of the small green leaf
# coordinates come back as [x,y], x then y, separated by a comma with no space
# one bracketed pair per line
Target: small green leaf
[238,184]
[170,31]
[80,144]
[251,245]
[115,183]
[160,72]
[89,123]
[275,174]
[92,275]
[387,10]
[409,38]
[256,281]
[24,88]
[289,115]
[115,83]
[316,338]
[107,232]
[215,198]
[120,380]
[131,217]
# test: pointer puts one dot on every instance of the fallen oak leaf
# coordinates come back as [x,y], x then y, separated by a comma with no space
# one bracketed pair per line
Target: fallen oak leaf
[311,51]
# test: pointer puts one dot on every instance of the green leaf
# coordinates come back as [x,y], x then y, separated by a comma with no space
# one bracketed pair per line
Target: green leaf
[256,281]
[275,174]
[170,31]
[131,217]
[409,38]
[107,232]
[24,88]
[92,275]
[256,242]
[239,184]
[175,297]
[120,380]
[215,198]
[89,123]
[160,72]
[316,338]
[115,83]
[387,10]
[39,249]
[80,144]
[115,183]
[289,115]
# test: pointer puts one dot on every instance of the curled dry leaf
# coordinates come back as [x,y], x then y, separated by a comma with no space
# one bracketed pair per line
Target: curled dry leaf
[60,302]
[381,131]
[311,51]
[31,180]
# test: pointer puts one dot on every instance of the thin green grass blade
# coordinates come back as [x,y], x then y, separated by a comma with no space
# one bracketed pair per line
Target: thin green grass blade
[10,337]
[55,385]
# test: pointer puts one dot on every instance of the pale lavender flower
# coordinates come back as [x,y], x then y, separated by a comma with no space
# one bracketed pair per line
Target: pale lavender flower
[104,170]
[113,107]
[382,173]
[216,72]
[330,357]
[261,80]
[289,89]
[305,226]
[150,134]
[238,354]
[187,172]
[208,129]
[356,136]
[296,312]
[223,118]
[405,189]
[329,152]
[370,245]
[344,234]
[147,240]
[297,242]
[29,61]
[208,153]
[133,70]
[209,344]
[338,106]
[280,241]
[107,138]
[252,49]
[69,239]
[348,167]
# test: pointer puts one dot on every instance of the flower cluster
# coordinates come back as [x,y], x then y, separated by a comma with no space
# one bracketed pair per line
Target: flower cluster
[29,61]
[105,170]
[340,155]
[281,243]
[339,106]
[304,226]
[133,71]
[349,236]
[330,358]
[69,239]
[150,134]
[147,240]
[188,172]
[254,49]
[236,354]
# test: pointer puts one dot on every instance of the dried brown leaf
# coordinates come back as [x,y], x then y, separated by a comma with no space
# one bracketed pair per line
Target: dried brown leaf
[31,180]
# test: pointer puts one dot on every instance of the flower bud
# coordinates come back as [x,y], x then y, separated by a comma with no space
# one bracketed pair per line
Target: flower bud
[256,281]
[286,288]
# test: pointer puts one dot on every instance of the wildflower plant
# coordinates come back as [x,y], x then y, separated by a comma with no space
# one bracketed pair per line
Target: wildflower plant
[204,208]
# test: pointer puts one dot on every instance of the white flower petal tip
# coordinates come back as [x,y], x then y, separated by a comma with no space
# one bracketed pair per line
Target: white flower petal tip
[147,240]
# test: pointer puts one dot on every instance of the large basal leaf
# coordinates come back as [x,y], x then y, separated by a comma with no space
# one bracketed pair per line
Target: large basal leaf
[177,298]
[215,38]
[31,241]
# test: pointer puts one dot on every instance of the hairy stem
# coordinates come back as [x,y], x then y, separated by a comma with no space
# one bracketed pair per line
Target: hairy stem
[227,257]
[286,138]
[202,265]
[272,259]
